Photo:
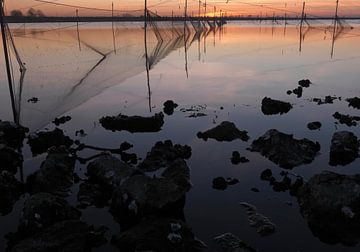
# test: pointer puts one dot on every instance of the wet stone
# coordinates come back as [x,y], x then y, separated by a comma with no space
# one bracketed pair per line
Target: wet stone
[169,107]
[40,142]
[330,203]
[344,148]
[61,120]
[354,102]
[237,158]
[284,150]
[11,189]
[225,131]
[263,224]
[133,123]
[231,243]
[159,234]
[273,107]
[56,174]
[314,125]
[346,119]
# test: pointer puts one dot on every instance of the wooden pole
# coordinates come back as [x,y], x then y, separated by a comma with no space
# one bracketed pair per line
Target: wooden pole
[302,15]
[146,55]
[7,61]
[185,11]
[112,26]
[335,27]
[77,28]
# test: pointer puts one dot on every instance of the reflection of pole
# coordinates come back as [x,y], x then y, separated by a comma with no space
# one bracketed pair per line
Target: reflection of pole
[301,26]
[7,61]
[335,28]
[77,28]
[112,25]
[185,47]
[146,54]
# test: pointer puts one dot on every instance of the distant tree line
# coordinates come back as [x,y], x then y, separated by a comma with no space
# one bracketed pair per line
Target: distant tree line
[30,13]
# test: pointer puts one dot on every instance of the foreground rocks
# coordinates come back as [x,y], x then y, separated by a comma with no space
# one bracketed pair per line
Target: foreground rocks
[10,159]
[231,243]
[12,134]
[330,203]
[273,107]
[10,191]
[346,119]
[284,150]
[354,102]
[133,123]
[262,223]
[344,148]
[225,131]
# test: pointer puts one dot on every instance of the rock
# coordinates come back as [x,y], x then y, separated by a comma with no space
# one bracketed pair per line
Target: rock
[273,107]
[42,210]
[61,120]
[92,194]
[231,243]
[66,236]
[195,115]
[12,134]
[55,175]
[346,119]
[314,125]
[33,100]
[163,153]
[254,189]
[330,203]
[10,189]
[284,150]
[129,158]
[354,102]
[305,83]
[133,123]
[298,91]
[328,100]
[237,159]
[169,107]
[232,181]
[10,159]
[266,175]
[40,142]
[289,92]
[142,195]
[225,131]
[219,183]
[263,224]
[125,146]
[344,148]
[159,234]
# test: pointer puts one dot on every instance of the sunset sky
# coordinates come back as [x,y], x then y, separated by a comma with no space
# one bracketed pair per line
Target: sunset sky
[165,7]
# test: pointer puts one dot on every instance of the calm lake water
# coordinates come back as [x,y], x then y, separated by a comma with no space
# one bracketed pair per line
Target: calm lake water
[91,73]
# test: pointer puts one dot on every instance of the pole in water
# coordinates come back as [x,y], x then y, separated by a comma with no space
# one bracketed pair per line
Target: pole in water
[185,11]
[77,28]
[146,55]
[7,61]
[112,25]
[302,15]
[335,27]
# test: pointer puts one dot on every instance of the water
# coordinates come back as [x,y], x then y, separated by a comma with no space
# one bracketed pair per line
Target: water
[233,67]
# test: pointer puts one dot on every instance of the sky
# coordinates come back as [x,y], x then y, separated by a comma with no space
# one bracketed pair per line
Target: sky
[167,7]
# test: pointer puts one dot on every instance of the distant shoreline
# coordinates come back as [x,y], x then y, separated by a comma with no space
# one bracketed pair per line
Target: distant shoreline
[11,19]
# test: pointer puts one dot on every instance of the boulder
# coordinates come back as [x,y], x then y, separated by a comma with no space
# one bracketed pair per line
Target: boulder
[273,107]
[346,119]
[344,148]
[225,131]
[169,107]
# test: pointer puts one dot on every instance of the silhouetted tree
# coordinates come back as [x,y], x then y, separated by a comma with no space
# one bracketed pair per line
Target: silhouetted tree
[35,13]
[16,13]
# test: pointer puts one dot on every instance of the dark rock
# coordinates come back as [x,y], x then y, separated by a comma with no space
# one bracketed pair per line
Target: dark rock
[226,131]
[354,102]
[92,194]
[65,236]
[10,159]
[284,150]
[254,189]
[169,107]
[314,125]
[289,92]
[231,243]
[80,133]
[266,175]
[273,107]
[232,181]
[56,174]
[129,157]
[33,100]
[162,153]
[263,224]
[346,119]
[344,148]
[298,91]
[10,189]
[195,115]
[328,100]
[125,146]
[237,159]
[42,210]
[159,234]
[12,134]
[219,183]
[40,142]
[305,83]
[61,120]
[133,123]
[330,203]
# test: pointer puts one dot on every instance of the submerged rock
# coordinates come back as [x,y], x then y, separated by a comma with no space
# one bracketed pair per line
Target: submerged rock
[40,142]
[354,102]
[305,83]
[273,107]
[162,153]
[346,119]
[61,120]
[262,223]
[56,174]
[231,243]
[169,107]
[133,123]
[12,134]
[298,91]
[159,234]
[284,150]
[344,148]
[237,159]
[330,203]
[10,191]
[314,125]
[225,131]
[327,100]
[221,183]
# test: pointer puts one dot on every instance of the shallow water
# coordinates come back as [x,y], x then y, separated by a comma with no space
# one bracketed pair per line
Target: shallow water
[233,67]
